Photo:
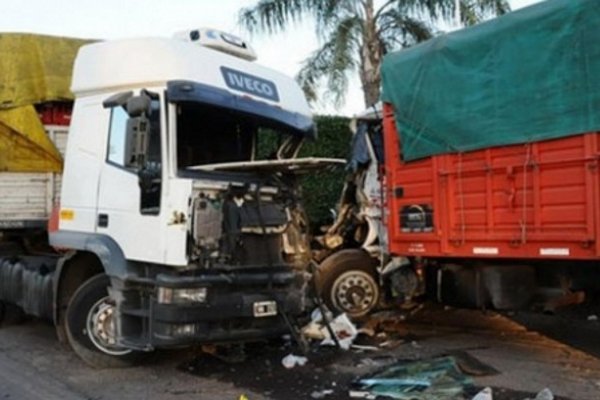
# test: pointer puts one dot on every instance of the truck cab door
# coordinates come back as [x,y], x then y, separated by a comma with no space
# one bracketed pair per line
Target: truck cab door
[130,190]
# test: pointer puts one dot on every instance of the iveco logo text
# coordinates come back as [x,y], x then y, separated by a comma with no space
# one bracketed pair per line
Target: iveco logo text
[250,84]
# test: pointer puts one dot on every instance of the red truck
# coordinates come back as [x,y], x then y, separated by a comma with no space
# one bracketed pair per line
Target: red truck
[490,171]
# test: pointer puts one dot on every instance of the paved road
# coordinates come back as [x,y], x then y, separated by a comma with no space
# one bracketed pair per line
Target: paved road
[18,381]
[34,366]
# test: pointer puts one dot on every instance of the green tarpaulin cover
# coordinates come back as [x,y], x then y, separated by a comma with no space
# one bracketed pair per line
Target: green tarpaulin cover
[530,75]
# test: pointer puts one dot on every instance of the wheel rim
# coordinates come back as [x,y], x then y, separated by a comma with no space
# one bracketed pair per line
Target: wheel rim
[354,292]
[100,328]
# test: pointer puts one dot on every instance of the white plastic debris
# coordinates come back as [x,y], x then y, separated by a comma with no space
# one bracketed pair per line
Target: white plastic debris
[360,394]
[592,317]
[390,343]
[344,330]
[316,315]
[291,360]
[381,335]
[485,394]
[361,347]
[286,337]
[321,394]
[313,330]
[544,394]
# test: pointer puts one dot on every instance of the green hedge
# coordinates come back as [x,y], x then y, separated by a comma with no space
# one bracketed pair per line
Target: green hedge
[322,191]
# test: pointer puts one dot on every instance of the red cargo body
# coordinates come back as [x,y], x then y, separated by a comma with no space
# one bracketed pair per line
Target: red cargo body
[55,113]
[528,201]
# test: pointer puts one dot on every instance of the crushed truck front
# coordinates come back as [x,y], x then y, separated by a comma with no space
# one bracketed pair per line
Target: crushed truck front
[180,184]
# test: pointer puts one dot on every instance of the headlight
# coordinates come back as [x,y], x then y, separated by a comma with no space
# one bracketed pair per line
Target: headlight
[181,296]
[183,330]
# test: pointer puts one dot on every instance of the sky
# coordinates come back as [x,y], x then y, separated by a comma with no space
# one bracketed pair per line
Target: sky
[113,19]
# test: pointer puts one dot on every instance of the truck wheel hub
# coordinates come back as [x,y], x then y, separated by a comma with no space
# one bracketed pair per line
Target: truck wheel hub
[100,328]
[354,292]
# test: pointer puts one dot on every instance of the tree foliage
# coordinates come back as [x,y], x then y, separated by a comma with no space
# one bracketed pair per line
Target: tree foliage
[321,192]
[357,33]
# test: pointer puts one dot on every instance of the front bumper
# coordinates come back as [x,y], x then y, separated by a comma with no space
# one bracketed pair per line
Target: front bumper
[227,314]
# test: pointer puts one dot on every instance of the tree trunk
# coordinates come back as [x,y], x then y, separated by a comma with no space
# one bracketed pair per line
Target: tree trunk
[370,57]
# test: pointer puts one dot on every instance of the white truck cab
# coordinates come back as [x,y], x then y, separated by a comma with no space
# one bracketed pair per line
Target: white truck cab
[179,224]
[355,273]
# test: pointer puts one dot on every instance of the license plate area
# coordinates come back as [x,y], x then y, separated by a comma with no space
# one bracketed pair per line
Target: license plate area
[265,309]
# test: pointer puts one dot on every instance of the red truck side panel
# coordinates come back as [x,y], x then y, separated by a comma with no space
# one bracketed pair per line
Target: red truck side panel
[537,200]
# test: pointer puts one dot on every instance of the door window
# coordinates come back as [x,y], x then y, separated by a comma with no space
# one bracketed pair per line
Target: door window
[146,163]
[117,137]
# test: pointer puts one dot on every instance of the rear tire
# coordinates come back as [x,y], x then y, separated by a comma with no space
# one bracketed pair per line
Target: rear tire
[347,282]
[89,326]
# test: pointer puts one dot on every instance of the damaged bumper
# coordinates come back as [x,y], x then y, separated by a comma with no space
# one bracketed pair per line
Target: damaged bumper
[173,310]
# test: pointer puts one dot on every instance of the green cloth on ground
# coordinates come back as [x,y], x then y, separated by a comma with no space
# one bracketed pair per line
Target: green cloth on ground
[436,379]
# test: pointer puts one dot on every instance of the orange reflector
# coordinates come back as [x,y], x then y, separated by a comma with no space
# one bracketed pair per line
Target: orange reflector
[67,215]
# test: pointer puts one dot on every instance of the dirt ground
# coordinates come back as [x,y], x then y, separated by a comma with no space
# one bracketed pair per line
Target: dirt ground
[34,366]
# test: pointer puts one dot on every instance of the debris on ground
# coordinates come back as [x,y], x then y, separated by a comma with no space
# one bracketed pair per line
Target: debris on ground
[367,331]
[343,329]
[291,360]
[316,328]
[381,335]
[544,394]
[471,365]
[360,394]
[341,326]
[379,361]
[231,354]
[435,379]
[592,317]
[362,347]
[388,344]
[553,302]
[321,394]
[264,375]
[485,394]
[314,331]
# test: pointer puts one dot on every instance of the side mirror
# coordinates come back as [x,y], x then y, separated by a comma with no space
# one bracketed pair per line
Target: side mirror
[119,99]
[138,105]
[138,128]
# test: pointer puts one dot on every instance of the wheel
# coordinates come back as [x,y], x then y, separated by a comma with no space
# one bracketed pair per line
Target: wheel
[89,324]
[347,282]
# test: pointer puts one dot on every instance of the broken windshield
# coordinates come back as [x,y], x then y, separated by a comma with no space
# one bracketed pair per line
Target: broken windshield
[215,135]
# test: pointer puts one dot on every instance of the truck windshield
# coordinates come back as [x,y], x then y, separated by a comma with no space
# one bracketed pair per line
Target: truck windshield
[215,135]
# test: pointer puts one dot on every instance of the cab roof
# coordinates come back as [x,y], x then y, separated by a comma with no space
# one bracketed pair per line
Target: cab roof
[106,67]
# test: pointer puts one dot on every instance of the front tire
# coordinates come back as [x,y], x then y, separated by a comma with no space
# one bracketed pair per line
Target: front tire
[89,325]
[347,282]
